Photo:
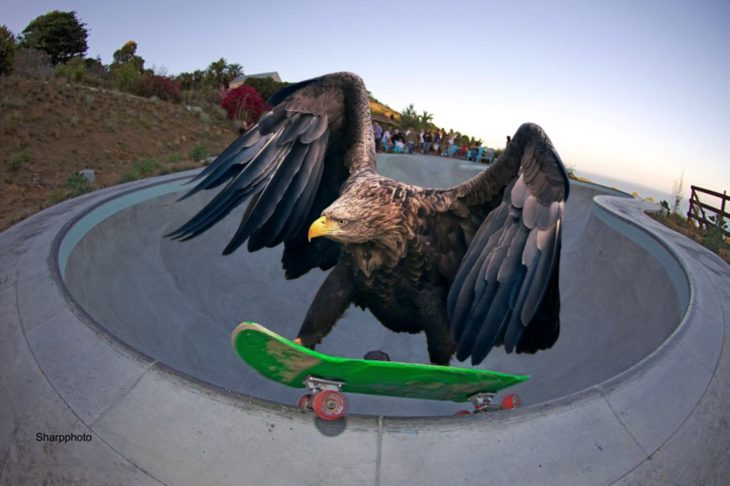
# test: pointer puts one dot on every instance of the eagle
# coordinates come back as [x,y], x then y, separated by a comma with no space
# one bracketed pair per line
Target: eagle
[473,266]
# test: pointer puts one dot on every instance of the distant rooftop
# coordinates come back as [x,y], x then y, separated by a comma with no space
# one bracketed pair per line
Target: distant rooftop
[242,78]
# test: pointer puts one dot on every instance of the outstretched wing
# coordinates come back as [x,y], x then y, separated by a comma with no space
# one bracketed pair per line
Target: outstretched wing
[290,165]
[506,288]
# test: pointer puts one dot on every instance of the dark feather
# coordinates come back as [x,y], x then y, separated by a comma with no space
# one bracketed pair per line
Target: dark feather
[515,253]
[286,91]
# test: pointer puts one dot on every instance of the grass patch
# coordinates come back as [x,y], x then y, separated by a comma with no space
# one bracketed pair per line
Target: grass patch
[177,167]
[10,103]
[174,158]
[199,153]
[18,159]
[57,196]
[77,185]
[711,238]
[140,169]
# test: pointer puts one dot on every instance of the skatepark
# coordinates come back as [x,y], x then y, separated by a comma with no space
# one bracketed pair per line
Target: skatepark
[111,330]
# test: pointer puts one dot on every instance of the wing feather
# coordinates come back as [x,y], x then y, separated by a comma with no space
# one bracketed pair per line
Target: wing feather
[507,279]
[279,165]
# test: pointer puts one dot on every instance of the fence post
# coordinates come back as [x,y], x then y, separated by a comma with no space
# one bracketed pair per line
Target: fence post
[689,209]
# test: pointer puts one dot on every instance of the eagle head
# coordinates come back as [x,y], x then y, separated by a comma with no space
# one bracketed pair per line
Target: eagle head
[363,215]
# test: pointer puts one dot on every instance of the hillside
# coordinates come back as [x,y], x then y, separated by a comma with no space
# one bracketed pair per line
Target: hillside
[51,130]
[378,107]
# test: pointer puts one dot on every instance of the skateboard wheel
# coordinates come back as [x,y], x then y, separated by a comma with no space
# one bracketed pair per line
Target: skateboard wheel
[329,405]
[511,401]
[377,356]
[304,401]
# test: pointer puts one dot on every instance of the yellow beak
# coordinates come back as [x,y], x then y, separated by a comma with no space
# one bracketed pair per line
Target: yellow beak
[321,227]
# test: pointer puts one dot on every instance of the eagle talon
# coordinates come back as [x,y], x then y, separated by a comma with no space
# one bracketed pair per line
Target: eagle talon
[306,342]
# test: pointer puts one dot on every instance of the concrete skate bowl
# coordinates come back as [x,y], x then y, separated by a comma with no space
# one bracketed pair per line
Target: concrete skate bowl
[109,330]
[176,303]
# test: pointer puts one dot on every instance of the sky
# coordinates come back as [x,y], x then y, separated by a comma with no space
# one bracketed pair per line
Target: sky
[636,90]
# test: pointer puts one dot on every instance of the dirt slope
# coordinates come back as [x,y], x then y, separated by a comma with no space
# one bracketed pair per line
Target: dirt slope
[51,130]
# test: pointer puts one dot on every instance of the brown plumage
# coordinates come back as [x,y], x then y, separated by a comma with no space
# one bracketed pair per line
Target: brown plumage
[473,266]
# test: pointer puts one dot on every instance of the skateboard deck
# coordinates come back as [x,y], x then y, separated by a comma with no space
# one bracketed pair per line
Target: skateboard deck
[282,360]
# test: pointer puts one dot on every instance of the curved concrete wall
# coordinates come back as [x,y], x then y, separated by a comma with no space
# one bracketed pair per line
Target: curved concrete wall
[178,302]
[663,420]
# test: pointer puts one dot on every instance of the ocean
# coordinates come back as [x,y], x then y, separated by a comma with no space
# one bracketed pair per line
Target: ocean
[644,192]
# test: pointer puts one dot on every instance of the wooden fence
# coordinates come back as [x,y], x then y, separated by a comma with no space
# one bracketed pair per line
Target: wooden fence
[698,210]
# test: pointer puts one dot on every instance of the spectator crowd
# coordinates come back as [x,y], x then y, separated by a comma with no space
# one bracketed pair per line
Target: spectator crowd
[429,142]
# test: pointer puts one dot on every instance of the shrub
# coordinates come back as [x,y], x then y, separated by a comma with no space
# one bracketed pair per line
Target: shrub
[77,184]
[18,159]
[12,103]
[7,50]
[74,70]
[714,237]
[665,206]
[149,85]
[140,168]
[96,67]
[204,117]
[199,152]
[244,103]
[33,64]
[124,75]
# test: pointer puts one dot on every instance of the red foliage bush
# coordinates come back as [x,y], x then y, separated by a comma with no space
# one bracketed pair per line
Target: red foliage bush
[149,85]
[244,103]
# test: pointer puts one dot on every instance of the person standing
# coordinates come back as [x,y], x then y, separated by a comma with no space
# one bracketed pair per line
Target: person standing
[378,133]
[386,139]
[427,138]
[411,139]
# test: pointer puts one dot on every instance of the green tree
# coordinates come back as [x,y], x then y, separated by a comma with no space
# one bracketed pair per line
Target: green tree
[7,50]
[409,117]
[60,34]
[191,81]
[127,54]
[220,73]
[127,66]
[426,119]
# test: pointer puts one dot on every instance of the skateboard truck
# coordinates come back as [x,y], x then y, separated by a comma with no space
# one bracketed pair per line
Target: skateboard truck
[483,402]
[325,398]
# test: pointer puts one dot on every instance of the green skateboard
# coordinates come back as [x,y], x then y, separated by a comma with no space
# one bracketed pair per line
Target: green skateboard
[326,377]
